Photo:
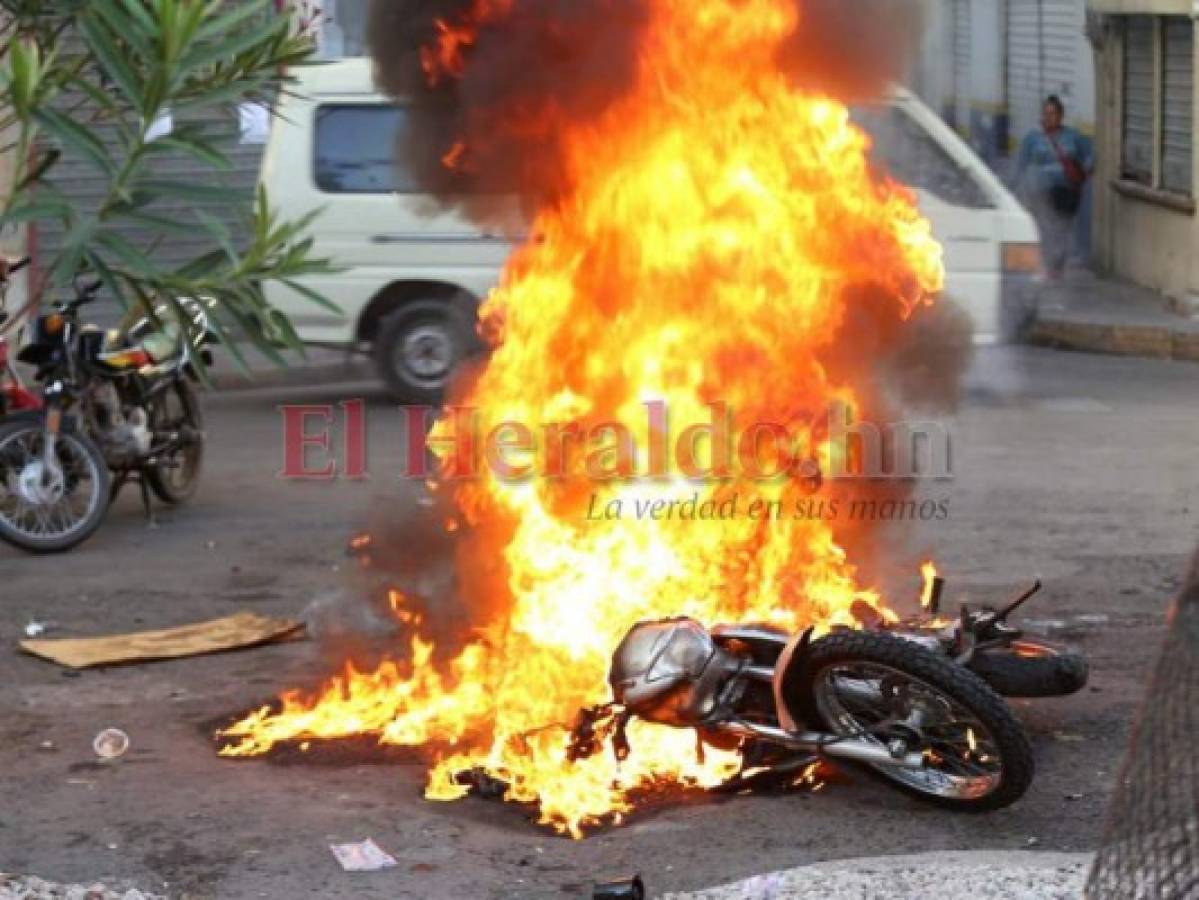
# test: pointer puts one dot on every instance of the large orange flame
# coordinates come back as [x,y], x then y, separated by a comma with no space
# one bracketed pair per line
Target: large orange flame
[719,229]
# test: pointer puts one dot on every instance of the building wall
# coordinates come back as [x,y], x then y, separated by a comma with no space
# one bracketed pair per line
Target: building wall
[1145,236]
[1019,51]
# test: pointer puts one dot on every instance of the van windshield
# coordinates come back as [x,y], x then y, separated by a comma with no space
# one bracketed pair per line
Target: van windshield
[912,157]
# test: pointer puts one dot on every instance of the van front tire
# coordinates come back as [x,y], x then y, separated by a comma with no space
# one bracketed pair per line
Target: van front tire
[418,348]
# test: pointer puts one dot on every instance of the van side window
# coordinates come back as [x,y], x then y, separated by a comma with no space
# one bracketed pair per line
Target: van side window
[911,156]
[355,149]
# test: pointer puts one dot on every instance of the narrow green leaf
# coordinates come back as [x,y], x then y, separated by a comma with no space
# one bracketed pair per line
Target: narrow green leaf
[136,9]
[161,223]
[185,190]
[229,46]
[111,282]
[202,266]
[220,234]
[67,265]
[75,136]
[220,25]
[317,298]
[102,46]
[35,210]
[22,63]
[132,257]
[200,94]
[197,149]
[124,22]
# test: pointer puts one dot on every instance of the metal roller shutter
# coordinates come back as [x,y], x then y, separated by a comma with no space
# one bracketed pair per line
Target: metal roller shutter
[1024,75]
[1048,54]
[1137,112]
[1178,80]
[1062,24]
[85,184]
[961,63]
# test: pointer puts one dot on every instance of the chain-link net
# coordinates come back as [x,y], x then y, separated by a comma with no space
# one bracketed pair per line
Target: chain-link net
[1150,847]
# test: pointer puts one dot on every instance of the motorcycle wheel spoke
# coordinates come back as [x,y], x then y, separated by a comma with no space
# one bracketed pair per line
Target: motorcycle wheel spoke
[953,767]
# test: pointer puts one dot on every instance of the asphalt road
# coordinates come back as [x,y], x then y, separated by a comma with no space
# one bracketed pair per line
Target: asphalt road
[1080,469]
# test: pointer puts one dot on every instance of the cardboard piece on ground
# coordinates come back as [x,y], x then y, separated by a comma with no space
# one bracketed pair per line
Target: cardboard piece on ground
[244,629]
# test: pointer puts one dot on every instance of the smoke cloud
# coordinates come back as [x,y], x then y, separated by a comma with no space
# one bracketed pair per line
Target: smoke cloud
[544,63]
[851,49]
[539,66]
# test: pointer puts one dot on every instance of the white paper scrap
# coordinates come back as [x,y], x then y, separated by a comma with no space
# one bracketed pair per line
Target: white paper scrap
[365,856]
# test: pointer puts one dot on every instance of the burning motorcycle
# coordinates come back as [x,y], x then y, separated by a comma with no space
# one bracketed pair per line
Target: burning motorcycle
[916,703]
[119,402]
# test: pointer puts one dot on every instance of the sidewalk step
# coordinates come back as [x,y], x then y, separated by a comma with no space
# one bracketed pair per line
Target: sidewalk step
[1152,341]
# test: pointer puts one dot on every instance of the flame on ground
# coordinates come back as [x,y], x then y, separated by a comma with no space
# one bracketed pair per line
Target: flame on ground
[717,225]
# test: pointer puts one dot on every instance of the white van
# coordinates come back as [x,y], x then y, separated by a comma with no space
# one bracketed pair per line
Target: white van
[411,281]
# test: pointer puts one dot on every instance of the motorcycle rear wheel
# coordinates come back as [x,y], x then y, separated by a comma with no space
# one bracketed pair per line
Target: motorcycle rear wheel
[864,685]
[175,478]
[76,504]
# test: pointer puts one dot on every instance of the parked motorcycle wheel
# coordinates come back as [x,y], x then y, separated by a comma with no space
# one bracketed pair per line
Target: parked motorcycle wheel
[43,511]
[1031,668]
[175,476]
[879,687]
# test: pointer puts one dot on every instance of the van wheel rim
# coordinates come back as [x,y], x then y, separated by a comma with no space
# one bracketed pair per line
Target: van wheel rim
[426,354]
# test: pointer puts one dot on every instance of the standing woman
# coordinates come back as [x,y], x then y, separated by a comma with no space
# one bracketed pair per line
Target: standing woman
[1054,164]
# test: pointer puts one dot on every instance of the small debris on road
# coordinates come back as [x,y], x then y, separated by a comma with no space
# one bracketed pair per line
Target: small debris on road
[1074,796]
[28,887]
[1067,737]
[111,743]
[622,889]
[36,629]
[365,856]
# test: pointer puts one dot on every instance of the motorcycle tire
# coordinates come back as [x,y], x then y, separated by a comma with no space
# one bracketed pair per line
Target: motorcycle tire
[89,455]
[959,691]
[174,481]
[1031,668]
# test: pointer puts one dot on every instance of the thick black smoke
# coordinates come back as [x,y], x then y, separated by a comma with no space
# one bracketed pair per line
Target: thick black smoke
[852,49]
[550,62]
[545,64]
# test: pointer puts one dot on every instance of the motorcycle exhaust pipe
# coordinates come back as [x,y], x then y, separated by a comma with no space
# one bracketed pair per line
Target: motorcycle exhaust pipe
[829,745]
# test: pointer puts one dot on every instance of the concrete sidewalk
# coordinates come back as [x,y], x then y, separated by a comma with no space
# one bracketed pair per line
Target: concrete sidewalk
[966,875]
[1086,312]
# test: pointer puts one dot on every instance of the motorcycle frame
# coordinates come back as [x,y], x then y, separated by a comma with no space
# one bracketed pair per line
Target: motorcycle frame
[789,734]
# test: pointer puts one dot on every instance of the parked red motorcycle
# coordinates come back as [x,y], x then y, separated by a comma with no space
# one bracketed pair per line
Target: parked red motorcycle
[14,396]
